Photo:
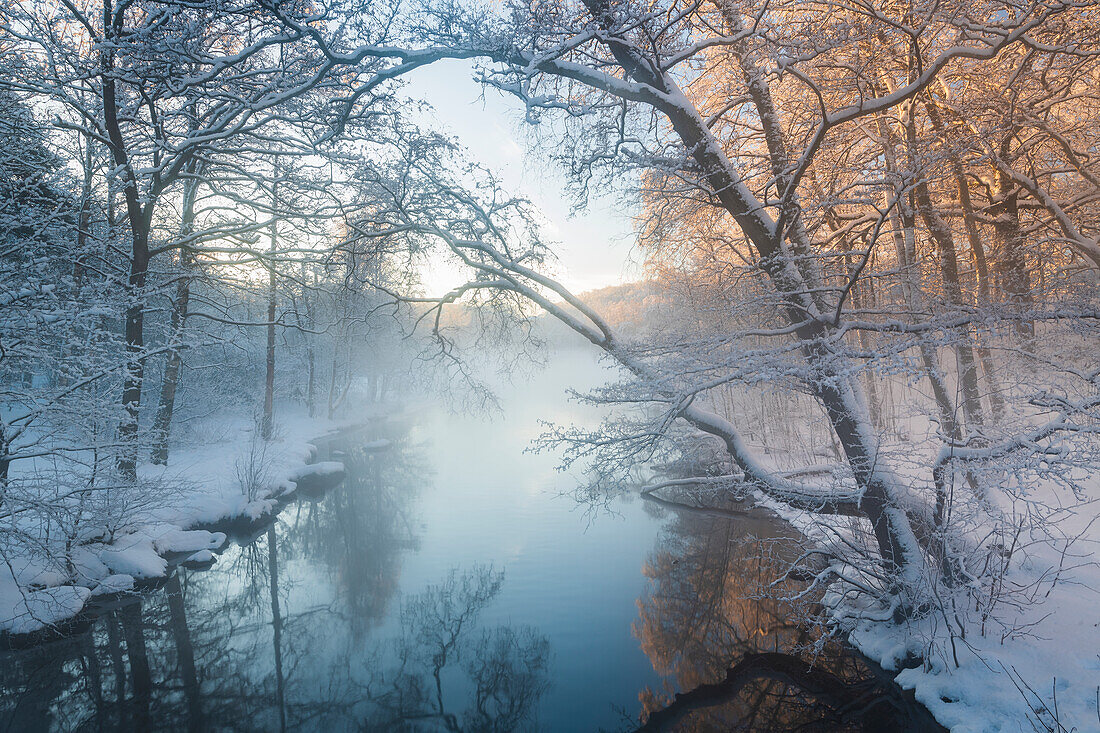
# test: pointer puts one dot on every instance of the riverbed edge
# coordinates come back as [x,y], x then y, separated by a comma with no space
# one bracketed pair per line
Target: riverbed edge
[210,509]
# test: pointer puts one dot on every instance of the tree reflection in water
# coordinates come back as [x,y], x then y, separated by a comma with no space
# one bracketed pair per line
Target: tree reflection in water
[240,648]
[360,532]
[712,625]
[505,668]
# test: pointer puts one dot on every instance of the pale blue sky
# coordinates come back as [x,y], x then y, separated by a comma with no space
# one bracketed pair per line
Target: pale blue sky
[594,245]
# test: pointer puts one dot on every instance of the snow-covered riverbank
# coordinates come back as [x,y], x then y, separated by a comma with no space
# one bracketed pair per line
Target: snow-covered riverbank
[229,475]
[1033,665]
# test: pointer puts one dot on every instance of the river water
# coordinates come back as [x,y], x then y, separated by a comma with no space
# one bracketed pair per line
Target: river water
[451,583]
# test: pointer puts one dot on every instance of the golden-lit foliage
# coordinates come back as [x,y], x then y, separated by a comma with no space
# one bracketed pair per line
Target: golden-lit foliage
[1034,108]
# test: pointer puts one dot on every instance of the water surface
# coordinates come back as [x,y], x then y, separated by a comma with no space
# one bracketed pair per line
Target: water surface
[451,583]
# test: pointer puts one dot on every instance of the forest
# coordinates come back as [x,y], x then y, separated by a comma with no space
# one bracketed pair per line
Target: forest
[867,234]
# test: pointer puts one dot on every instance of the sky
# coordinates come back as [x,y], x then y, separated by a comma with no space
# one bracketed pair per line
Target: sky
[594,245]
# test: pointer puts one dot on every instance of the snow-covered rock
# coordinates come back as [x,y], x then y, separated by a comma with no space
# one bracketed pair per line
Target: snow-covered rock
[180,540]
[134,555]
[323,469]
[120,583]
[202,557]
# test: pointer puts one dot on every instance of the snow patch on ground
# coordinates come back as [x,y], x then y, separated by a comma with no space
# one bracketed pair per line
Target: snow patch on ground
[134,555]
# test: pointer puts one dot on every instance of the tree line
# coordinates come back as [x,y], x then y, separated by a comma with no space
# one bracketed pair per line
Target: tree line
[857,205]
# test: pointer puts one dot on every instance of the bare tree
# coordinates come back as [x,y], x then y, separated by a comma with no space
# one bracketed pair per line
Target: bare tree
[734,112]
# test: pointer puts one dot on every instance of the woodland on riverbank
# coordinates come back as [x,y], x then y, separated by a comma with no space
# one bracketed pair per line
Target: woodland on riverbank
[871,232]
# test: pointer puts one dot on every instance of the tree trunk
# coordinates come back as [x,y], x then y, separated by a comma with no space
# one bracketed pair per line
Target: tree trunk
[166,407]
[941,235]
[856,298]
[981,264]
[332,382]
[267,425]
[837,391]
[903,236]
[276,624]
[903,223]
[1011,260]
[84,220]
[173,363]
[981,267]
[135,362]
[185,652]
[311,380]
[5,461]
[311,357]
[139,215]
[830,373]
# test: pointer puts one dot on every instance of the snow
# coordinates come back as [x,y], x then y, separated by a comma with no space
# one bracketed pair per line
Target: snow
[34,571]
[232,475]
[134,555]
[88,568]
[999,684]
[201,557]
[179,540]
[120,583]
[318,470]
[1037,656]
[25,611]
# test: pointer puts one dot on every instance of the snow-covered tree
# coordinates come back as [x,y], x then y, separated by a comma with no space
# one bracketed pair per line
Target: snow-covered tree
[786,152]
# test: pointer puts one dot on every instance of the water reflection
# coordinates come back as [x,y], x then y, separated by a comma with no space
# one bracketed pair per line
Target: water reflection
[257,644]
[733,656]
[360,533]
[312,621]
[504,668]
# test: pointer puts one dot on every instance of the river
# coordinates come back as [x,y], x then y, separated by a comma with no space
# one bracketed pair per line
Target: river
[452,583]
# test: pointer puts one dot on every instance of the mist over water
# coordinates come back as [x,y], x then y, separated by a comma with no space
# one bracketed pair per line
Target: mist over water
[452,582]
[571,571]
